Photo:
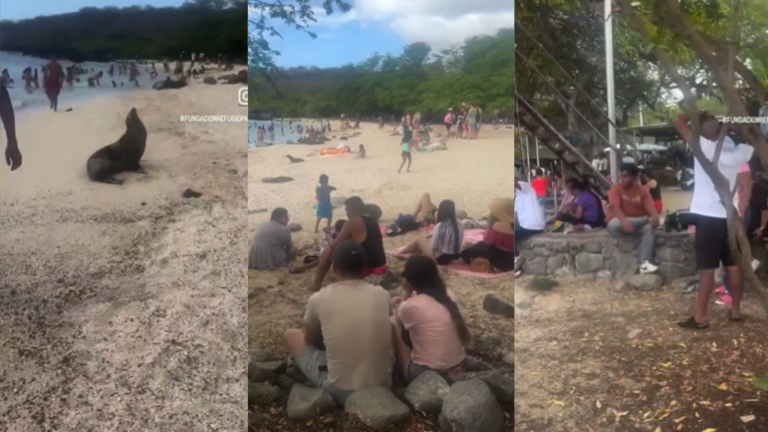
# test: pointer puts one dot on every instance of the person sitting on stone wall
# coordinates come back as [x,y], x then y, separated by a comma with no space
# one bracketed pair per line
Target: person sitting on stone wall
[585,211]
[631,212]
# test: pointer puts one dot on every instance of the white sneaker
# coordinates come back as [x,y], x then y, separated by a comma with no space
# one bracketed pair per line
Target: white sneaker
[755,264]
[647,267]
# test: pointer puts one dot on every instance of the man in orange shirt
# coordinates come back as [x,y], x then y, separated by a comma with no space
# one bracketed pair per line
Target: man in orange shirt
[632,212]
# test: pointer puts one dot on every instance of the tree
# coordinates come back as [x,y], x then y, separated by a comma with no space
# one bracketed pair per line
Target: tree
[265,14]
[480,70]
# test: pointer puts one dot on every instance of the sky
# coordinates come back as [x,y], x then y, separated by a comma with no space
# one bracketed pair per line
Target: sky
[386,26]
[21,9]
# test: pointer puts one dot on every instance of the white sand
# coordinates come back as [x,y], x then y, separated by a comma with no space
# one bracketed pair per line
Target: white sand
[124,307]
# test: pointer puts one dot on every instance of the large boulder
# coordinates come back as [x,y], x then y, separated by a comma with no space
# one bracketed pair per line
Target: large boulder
[377,407]
[259,372]
[471,407]
[497,305]
[209,80]
[427,391]
[305,402]
[501,385]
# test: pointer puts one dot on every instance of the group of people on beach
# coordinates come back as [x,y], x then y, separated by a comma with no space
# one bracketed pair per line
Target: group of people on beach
[467,120]
[355,335]
[633,208]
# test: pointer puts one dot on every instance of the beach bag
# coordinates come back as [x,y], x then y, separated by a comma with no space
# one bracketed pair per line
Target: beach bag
[680,220]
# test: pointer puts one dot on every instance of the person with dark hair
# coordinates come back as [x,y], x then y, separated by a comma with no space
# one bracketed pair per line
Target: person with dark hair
[711,241]
[364,230]
[631,212]
[405,147]
[430,333]
[650,183]
[586,209]
[346,344]
[444,244]
[12,153]
[53,81]
[324,206]
[272,246]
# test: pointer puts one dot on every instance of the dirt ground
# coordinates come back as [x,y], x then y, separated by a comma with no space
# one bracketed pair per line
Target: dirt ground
[595,356]
[277,302]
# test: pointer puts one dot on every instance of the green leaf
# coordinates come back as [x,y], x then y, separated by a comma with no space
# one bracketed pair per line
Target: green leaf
[761,383]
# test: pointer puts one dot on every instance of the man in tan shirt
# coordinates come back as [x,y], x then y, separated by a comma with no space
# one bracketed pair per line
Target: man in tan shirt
[347,341]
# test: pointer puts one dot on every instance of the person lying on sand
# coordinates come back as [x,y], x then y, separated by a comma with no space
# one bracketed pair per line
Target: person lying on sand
[363,230]
[430,333]
[497,250]
[346,344]
[272,246]
[444,244]
[426,211]
[12,152]
[310,261]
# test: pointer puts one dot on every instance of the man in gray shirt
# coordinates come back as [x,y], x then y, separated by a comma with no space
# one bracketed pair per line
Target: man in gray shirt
[272,247]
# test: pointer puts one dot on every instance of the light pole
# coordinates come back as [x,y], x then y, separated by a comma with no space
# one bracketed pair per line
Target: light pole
[614,159]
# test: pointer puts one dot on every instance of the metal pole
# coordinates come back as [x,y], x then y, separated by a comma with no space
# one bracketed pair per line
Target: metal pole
[528,154]
[610,88]
[642,123]
[538,164]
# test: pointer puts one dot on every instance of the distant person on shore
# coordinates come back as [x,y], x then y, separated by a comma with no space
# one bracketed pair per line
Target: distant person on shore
[448,120]
[12,153]
[5,78]
[53,82]
[362,229]
[166,66]
[405,147]
[95,79]
[272,246]
[324,206]
[36,79]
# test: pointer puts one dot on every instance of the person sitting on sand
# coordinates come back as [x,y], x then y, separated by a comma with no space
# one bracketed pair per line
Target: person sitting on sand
[632,213]
[364,230]
[12,153]
[324,206]
[272,246]
[430,333]
[426,211]
[496,252]
[347,341]
[444,245]
[586,209]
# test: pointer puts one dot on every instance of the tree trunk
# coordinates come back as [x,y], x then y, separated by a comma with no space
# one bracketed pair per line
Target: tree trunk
[738,240]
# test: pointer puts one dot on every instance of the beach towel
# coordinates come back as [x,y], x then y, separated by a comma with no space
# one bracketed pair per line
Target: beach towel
[330,151]
[459,266]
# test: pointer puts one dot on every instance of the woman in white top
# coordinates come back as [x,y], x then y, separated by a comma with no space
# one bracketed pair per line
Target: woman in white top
[529,215]
[444,244]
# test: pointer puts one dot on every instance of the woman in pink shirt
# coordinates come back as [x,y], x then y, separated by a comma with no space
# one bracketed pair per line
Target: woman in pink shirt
[431,333]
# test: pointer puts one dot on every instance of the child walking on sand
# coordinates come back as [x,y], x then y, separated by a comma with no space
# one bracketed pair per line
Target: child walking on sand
[406,149]
[324,207]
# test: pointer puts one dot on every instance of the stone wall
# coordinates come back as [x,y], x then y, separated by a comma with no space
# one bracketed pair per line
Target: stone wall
[597,252]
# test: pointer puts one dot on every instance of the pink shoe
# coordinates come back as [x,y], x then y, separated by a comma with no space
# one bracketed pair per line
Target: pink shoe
[721,290]
[725,300]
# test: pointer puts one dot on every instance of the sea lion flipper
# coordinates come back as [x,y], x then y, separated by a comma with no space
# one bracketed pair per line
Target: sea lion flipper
[110,180]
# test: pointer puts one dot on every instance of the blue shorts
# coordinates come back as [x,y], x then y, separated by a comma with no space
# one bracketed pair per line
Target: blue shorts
[324,210]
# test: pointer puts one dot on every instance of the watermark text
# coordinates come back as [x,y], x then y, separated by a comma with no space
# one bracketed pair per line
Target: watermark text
[242,96]
[745,120]
[213,118]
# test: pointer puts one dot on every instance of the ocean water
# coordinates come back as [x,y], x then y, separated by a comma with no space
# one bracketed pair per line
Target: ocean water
[284,131]
[78,93]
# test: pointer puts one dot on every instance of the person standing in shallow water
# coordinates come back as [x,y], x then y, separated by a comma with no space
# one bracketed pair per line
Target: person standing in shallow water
[12,153]
[53,81]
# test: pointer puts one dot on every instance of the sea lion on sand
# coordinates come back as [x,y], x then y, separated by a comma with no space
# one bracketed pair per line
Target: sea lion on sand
[168,83]
[294,159]
[124,155]
[238,78]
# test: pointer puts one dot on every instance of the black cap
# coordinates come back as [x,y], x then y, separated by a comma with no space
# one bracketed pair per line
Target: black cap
[349,258]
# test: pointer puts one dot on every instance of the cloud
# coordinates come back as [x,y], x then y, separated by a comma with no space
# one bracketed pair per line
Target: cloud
[440,23]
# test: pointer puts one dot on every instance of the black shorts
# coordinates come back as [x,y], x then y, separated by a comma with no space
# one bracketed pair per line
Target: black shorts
[406,155]
[446,259]
[711,242]
[448,126]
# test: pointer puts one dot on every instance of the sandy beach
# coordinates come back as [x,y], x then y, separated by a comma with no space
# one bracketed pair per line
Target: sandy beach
[471,173]
[124,307]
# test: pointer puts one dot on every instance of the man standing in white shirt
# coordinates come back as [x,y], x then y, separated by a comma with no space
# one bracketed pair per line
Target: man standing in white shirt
[711,241]
[529,215]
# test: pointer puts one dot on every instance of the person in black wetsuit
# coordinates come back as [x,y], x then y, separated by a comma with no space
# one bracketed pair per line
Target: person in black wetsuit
[362,229]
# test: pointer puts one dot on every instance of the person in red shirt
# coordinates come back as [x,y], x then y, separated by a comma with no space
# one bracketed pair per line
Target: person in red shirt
[53,82]
[540,183]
